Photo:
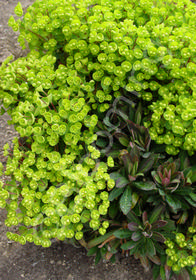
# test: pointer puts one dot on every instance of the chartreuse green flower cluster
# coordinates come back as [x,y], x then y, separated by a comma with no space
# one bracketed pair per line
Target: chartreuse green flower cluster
[144,46]
[181,252]
[62,184]
[84,54]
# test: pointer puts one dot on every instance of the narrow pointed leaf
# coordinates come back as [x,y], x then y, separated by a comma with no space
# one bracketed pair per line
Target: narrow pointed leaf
[173,203]
[132,226]
[102,143]
[190,172]
[190,201]
[159,224]
[170,226]
[115,193]
[162,273]
[135,198]
[98,240]
[155,271]
[108,256]
[155,214]
[144,217]
[98,257]
[155,259]
[183,218]
[145,263]
[121,182]
[115,175]
[134,218]
[159,248]
[145,186]
[158,237]
[128,245]
[122,233]
[138,114]
[127,160]
[193,196]
[136,236]
[146,164]
[113,209]
[124,141]
[126,201]
[150,247]
[156,177]
[92,251]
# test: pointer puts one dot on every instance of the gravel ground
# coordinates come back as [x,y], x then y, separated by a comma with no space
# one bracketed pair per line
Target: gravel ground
[60,261]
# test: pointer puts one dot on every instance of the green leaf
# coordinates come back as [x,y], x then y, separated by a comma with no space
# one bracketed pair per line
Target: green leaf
[115,175]
[133,218]
[163,259]
[92,251]
[113,259]
[122,115]
[136,248]
[106,121]
[113,209]
[145,186]
[162,273]
[146,164]
[132,226]
[155,214]
[193,177]
[98,240]
[169,227]
[101,142]
[155,271]
[128,159]
[131,113]
[155,259]
[158,237]
[191,173]
[121,182]
[136,236]
[126,201]
[98,257]
[159,249]
[138,114]
[113,153]
[159,224]
[190,201]
[144,262]
[173,202]
[122,233]
[124,141]
[115,193]
[193,196]
[150,247]
[156,176]
[135,198]
[183,217]
[2,111]
[128,245]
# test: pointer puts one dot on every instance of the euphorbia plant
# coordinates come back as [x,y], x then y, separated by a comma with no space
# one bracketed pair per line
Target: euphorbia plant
[102,79]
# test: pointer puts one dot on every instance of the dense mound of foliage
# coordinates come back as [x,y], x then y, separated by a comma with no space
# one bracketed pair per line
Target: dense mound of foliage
[102,79]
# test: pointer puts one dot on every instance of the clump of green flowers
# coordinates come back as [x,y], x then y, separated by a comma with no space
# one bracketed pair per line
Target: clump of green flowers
[181,252]
[143,46]
[58,191]
[99,77]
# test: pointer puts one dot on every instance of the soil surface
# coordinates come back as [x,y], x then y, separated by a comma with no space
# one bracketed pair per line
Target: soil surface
[61,261]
